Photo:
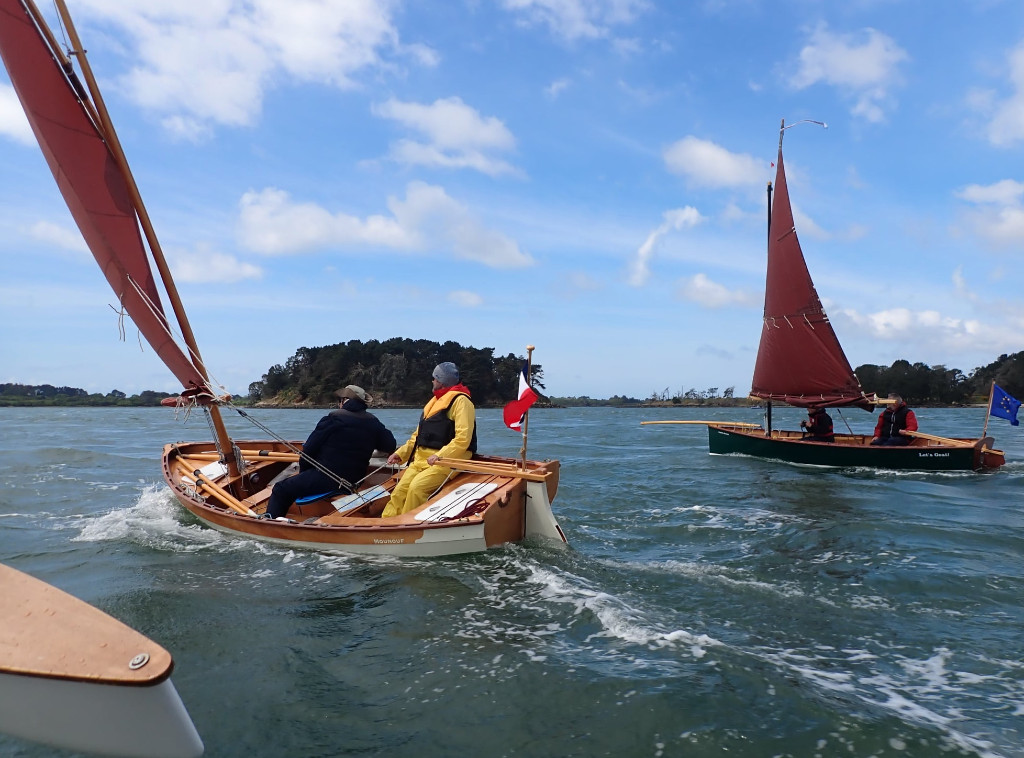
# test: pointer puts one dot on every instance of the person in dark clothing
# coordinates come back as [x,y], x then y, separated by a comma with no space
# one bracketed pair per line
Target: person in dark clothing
[818,426]
[343,443]
[894,420]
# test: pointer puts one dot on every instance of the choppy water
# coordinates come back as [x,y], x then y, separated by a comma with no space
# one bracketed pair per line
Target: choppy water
[707,605]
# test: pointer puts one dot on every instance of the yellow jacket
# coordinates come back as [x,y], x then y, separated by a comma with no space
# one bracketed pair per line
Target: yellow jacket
[460,410]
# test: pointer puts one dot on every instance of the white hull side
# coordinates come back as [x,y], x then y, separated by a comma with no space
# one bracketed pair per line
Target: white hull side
[449,540]
[144,721]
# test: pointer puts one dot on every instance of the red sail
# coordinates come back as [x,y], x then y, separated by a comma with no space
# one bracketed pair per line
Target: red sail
[95,191]
[800,360]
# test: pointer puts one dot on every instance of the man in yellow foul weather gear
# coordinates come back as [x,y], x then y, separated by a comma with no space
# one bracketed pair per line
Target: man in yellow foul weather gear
[447,429]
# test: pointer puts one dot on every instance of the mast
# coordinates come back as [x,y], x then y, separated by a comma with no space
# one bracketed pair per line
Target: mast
[526,415]
[991,396]
[106,127]
[768,405]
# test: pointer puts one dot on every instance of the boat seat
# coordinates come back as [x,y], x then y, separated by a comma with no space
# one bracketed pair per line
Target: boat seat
[330,493]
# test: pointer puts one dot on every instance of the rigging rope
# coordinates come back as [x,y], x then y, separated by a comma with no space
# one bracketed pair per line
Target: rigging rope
[341,481]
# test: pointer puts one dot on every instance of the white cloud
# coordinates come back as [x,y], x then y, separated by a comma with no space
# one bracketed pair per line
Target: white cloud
[202,63]
[427,220]
[13,122]
[557,87]
[700,289]
[675,219]
[710,165]
[465,299]
[578,19]
[919,327]
[1007,125]
[863,67]
[998,216]
[66,238]
[1005,192]
[457,136]
[204,265]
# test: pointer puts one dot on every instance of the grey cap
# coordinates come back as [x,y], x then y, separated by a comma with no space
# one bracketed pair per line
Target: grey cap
[354,392]
[446,373]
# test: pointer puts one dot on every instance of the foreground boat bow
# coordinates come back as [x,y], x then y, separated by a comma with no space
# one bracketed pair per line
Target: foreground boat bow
[73,677]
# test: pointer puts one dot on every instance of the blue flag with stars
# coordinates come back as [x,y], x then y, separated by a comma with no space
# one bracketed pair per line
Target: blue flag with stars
[1004,405]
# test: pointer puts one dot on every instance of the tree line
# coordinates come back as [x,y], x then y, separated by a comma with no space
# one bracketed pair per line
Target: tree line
[396,372]
[921,384]
[46,394]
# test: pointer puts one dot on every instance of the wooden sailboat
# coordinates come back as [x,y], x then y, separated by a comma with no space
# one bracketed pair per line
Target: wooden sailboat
[801,363]
[73,677]
[486,502]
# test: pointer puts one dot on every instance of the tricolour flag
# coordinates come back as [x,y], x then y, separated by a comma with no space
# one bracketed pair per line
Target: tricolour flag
[515,411]
[1004,405]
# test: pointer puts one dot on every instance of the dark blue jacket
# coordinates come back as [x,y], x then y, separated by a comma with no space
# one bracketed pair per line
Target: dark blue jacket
[344,440]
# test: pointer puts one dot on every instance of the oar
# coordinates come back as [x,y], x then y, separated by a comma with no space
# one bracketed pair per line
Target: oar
[497,469]
[249,455]
[203,482]
[936,438]
[712,423]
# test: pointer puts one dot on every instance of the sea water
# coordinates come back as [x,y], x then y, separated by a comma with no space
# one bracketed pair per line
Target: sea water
[705,606]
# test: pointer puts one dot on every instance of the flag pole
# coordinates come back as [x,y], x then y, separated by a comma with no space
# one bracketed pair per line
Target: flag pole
[526,415]
[991,394]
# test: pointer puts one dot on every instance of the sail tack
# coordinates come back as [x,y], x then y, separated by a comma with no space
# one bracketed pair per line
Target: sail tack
[799,360]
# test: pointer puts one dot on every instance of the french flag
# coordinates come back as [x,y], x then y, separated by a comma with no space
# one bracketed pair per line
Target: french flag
[515,411]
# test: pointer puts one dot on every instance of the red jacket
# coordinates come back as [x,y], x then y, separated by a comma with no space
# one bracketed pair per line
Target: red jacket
[895,420]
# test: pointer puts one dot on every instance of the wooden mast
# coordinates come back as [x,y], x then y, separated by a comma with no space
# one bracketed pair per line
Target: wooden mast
[526,415]
[991,395]
[106,127]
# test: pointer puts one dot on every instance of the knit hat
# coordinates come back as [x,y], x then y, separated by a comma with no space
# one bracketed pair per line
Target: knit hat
[446,373]
[354,392]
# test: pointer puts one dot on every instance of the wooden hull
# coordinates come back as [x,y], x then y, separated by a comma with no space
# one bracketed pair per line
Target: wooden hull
[854,450]
[509,508]
[73,677]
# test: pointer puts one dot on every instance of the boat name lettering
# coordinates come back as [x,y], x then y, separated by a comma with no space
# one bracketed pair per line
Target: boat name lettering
[933,455]
[395,541]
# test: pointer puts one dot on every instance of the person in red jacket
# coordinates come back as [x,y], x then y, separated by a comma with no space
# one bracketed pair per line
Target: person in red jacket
[894,420]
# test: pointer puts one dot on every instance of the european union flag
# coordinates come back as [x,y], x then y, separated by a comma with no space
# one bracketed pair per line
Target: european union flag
[1004,406]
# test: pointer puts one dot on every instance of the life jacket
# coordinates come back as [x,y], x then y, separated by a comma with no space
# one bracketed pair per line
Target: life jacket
[894,421]
[438,430]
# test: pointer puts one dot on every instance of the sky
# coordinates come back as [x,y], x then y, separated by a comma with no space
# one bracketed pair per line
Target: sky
[586,176]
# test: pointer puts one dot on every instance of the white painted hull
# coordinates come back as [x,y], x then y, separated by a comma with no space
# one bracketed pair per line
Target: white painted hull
[121,720]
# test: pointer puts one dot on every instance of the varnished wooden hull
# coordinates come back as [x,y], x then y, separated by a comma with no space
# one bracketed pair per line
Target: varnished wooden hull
[517,508]
[73,677]
[854,451]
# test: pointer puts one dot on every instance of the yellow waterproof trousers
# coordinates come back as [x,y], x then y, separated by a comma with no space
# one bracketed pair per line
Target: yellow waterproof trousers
[416,485]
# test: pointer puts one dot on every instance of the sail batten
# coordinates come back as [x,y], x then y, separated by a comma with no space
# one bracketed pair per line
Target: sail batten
[799,359]
[89,178]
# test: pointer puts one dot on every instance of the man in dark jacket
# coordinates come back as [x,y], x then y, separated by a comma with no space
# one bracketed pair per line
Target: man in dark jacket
[818,426]
[343,443]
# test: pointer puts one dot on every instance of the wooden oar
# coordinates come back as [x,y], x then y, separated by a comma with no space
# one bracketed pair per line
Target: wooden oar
[498,469]
[936,438]
[714,423]
[203,482]
[249,455]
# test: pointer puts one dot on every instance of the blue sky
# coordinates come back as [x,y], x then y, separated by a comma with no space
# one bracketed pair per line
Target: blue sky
[587,177]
